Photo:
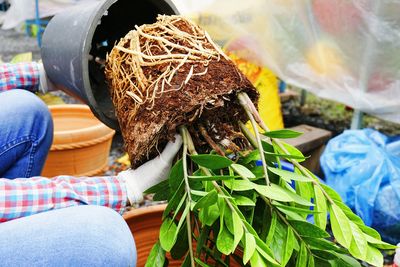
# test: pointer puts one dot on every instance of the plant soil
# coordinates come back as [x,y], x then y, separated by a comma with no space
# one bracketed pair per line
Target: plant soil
[200,93]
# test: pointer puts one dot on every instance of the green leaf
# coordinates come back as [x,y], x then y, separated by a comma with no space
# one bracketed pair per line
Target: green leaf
[225,241]
[291,151]
[252,156]
[289,176]
[265,251]
[237,230]
[321,207]
[243,201]
[240,185]
[208,200]
[324,254]
[175,200]
[310,262]
[156,257]
[168,234]
[209,215]
[332,193]
[271,231]
[320,243]
[302,258]
[202,264]
[160,187]
[181,247]
[257,260]
[287,250]
[340,226]
[305,190]
[374,256]
[213,178]
[292,215]
[242,171]
[203,237]
[358,245]
[307,229]
[249,247]
[378,243]
[293,209]
[346,261]
[211,161]
[175,177]
[283,134]
[278,193]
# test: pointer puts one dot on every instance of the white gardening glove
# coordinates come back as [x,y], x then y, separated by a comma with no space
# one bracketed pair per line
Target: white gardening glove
[150,173]
[45,85]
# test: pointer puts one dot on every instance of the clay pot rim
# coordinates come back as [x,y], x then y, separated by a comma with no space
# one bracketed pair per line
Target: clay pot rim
[85,136]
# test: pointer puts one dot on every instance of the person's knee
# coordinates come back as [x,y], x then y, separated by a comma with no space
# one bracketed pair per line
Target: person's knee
[105,236]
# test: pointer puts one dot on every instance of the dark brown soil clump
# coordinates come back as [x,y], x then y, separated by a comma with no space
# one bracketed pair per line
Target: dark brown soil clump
[198,92]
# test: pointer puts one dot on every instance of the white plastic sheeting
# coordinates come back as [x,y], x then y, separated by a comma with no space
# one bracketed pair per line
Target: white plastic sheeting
[21,10]
[343,50]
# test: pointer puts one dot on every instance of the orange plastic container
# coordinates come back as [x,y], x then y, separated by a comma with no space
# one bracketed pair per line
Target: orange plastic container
[81,143]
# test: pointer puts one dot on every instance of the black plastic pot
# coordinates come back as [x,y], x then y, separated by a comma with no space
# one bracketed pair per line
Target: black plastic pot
[75,44]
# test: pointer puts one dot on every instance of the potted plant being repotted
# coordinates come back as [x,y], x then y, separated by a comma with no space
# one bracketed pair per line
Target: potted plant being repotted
[230,202]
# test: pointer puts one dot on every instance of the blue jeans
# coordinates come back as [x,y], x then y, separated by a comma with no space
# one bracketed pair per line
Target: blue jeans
[76,236]
[26,133]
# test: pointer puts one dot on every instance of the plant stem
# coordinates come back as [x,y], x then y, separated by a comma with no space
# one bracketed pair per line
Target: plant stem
[250,106]
[242,101]
[248,134]
[184,132]
[211,142]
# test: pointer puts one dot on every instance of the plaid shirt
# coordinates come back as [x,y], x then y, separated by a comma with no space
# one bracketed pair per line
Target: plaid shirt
[23,197]
[19,76]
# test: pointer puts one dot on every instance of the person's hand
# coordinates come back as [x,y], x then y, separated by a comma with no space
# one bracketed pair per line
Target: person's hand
[45,85]
[150,173]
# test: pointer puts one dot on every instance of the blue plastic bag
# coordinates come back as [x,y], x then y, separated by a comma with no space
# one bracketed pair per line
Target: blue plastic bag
[363,166]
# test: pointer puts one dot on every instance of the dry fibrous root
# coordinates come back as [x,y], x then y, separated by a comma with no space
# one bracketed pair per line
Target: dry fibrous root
[171,73]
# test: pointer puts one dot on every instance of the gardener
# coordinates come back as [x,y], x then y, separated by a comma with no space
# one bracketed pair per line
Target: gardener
[69,226]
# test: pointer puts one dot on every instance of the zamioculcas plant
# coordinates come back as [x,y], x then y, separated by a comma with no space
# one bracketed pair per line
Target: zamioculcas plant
[229,200]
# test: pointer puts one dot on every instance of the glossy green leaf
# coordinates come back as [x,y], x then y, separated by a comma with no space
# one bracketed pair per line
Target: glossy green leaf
[340,225]
[181,247]
[310,262]
[156,257]
[292,215]
[252,156]
[305,190]
[265,251]
[213,178]
[242,171]
[320,243]
[168,234]
[346,261]
[175,200]
[289,176]
[320,206]
[271,231]
[324,254]
[175,177]
[291,151]
[307,229]
[283,134]
[288,247]
[225,241]
[331,193]
[160,187]
[206,201]
[374,256]
[378,243]
[278,193]
[240,185]
[302,257]
[257,260]
[293,209]
[211,161]
[209,215]
[243,201]
[358,246]
[237,229]
[249,247]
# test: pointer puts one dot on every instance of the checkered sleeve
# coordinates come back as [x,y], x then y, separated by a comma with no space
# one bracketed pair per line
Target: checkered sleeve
[23,197]
[19,76]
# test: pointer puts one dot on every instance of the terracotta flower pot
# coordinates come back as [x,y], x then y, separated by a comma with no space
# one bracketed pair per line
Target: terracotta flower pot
[145,226]
[81,143]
